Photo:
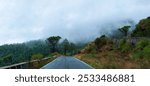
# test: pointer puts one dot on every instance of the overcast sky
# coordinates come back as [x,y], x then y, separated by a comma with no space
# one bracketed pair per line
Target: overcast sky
[24,20]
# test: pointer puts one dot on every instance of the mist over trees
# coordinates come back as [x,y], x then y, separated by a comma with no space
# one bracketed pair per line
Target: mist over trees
[123,48]
[37,49]
[53,42]
[124,30]
[15,53]
[68,48]
[142,29]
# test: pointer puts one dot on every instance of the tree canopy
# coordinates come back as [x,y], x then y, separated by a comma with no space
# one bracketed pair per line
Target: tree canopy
[16,53]
[142,29]
[53,41]
[66,46]
[124,30]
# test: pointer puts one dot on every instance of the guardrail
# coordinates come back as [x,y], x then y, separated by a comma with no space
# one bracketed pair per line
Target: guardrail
[23,65]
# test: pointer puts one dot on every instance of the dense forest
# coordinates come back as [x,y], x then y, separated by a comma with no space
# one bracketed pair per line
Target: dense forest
[15,53]
[37,49]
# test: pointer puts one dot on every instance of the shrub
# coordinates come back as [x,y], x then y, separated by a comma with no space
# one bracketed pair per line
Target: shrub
[146,52]
[54,54]
[142,29]
[142,49]
[138,55]
[101,41]
[37,56]
[142,44]
[91,48]
[124,46]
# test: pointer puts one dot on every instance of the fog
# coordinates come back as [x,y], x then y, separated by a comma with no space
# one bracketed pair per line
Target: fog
[77,20]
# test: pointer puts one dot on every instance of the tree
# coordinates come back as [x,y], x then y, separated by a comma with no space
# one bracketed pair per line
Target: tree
[100,41]
[53,41]
[8,59]
[66,46]
[142,28]
[124,30]
[72,48]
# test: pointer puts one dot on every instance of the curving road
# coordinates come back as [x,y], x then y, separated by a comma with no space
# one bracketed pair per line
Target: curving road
[64,62]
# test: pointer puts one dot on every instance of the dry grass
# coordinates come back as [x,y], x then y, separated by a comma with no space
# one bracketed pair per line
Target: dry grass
[109,60]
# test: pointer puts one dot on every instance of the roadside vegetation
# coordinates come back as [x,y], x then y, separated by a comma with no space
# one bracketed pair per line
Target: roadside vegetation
[40,61]
[129,51]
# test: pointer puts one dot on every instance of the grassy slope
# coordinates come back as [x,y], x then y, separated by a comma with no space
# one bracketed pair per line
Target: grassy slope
[103,53]
[109,57]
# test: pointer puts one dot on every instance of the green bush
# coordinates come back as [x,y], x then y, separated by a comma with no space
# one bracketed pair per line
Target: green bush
[122,43]
[142,49]
[101,41]
[124,46]
[142,29]
[91,48]
[138,55]
[37,56]
[146,52]
[142,44]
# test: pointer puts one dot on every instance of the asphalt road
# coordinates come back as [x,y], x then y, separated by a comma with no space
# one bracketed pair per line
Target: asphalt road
[64,62]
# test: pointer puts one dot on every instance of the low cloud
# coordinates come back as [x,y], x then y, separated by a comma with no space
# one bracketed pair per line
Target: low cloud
[24,20]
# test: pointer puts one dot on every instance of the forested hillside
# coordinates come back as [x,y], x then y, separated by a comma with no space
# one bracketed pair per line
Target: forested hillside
[15,53]
[142,29]
[130,51]
[37,49]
